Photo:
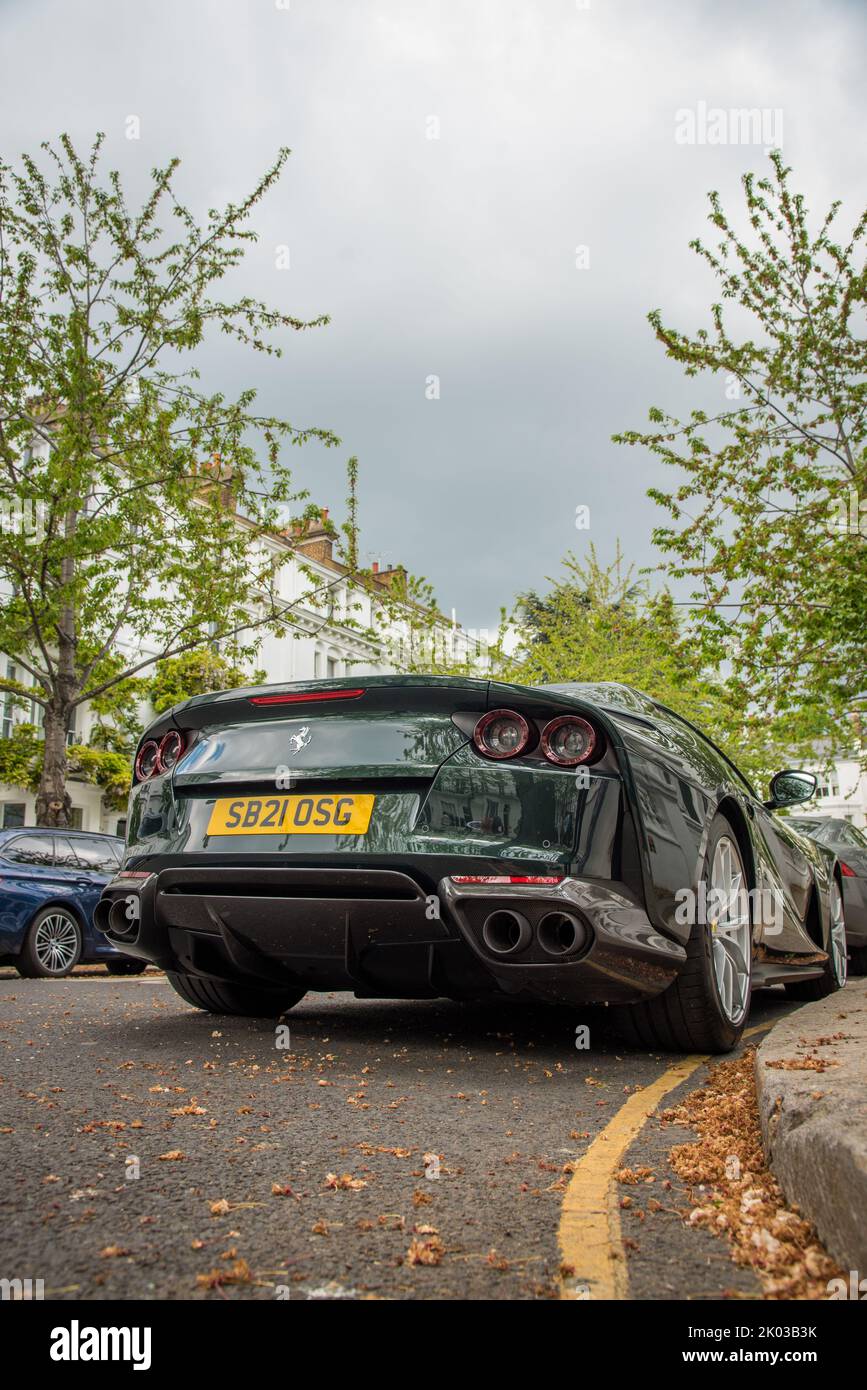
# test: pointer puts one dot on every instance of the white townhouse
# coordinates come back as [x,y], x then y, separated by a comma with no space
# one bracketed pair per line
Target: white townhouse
[842,790]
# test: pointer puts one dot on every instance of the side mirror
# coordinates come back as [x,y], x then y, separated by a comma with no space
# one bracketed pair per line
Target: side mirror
[789,788]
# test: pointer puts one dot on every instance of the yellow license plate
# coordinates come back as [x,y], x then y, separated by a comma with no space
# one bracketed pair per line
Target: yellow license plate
[330,814]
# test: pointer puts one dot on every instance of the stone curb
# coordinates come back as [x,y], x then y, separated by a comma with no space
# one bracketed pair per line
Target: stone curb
[814,1116]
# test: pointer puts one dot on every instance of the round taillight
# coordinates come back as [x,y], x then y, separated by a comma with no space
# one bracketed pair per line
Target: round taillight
[568,740]
[501,734]
[146,760]
[171,748]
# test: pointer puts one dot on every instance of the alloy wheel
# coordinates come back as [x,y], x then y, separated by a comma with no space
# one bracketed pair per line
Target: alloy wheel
[731,938]
[56,943]
[839,964]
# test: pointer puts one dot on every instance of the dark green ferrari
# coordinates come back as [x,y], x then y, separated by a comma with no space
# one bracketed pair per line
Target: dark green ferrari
[423,836]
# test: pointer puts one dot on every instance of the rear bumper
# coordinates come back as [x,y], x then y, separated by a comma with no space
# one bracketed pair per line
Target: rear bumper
[382,933]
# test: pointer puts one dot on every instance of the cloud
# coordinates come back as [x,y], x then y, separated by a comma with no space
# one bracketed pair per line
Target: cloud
[456,256]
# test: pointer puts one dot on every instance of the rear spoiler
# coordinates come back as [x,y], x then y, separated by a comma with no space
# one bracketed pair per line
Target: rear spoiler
[413,693]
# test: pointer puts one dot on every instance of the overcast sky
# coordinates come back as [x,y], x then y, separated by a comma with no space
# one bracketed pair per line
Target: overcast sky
[455,256]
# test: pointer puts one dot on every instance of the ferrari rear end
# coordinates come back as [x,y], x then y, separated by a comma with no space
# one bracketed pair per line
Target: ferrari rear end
[406,836]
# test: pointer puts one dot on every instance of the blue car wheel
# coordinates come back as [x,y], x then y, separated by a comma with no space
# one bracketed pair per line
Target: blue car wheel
[52,945]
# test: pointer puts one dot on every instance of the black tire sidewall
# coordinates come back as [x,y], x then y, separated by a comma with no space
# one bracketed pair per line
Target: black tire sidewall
[858,960]
[221,997]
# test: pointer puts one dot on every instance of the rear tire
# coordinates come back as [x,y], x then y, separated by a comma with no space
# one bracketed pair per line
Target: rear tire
[126,967]
[216,997]
[834,976]
[858,960]
[689,1016]
[805,991]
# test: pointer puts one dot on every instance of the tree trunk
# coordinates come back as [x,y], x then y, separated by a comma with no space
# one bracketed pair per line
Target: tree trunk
[53,802]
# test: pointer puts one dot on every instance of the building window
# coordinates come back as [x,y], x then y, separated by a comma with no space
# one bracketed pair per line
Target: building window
[317,665]
[75,818]
[8,705]
[13,814]
[120,829]
[332,667]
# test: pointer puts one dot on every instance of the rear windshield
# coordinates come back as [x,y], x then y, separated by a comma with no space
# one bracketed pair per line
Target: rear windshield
[833,832]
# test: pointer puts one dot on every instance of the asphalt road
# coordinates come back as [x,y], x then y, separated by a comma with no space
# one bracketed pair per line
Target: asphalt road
[149,1150]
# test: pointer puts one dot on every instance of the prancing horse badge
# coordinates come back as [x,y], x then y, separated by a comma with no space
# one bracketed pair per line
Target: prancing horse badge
[300,739]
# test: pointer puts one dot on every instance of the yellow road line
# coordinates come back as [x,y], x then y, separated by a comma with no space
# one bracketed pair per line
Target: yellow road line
[589,1234]
[759,1028]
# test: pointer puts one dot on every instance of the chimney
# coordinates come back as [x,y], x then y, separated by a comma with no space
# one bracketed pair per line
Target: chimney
[314,538]
[375,567]
[390,574]
[223,474]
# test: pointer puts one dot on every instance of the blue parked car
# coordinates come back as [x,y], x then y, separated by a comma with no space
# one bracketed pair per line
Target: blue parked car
[50,882]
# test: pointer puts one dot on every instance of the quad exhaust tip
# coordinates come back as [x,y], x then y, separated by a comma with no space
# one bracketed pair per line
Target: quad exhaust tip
[113,921]
[561,934]
[506,932]
[100,916]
